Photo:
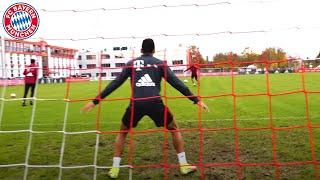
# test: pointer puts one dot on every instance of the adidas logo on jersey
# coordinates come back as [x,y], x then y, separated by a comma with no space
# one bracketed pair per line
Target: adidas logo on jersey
[145,80]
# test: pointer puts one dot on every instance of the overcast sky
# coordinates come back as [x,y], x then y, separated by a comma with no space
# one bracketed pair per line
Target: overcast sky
[290,24]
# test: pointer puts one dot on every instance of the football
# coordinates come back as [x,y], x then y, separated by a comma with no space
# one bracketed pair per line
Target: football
[185,81]
[13,95]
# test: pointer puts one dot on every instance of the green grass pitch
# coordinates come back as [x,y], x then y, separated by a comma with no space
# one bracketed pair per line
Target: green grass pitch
[255,146]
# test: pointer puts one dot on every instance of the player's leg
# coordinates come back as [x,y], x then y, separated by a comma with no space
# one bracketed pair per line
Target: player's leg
[192,79]
[156,113]
[178,144]
[121,138]
[196,77]
[119,146]
[33,86]
[193,76]
[26,89]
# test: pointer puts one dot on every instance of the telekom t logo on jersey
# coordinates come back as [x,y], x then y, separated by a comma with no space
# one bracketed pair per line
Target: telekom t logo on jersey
[137,64]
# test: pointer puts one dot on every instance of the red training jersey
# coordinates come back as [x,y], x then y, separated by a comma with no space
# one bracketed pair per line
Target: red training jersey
[193,69]
[30,73]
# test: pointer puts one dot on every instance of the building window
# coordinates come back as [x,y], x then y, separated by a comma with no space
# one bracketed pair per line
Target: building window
[115,74]
[118,56]
[91,66]
[102,74]
[79,57]
[90,57]
[120,64]
[7,45]
[37,49]
[80,66]
[105,56]
[124,48]
[26,47]
[116,48]
[105,65]
[85,75]
[174,62]
[178,71]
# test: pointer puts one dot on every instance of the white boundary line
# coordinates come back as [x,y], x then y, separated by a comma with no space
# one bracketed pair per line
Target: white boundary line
[289,118]
[4,71]
[63,167]
[95,160]
[44,132]
[26,170]
[63,140]
[35,99]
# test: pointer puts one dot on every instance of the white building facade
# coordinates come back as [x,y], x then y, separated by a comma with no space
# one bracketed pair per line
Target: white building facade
[52,61]
[109,62]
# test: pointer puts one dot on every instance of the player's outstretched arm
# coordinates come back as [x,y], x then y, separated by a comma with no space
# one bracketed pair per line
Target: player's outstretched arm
[203,106]
[88,107]
[187,69]
[108,90]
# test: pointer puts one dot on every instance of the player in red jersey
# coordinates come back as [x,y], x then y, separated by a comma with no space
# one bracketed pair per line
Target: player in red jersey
[30,79]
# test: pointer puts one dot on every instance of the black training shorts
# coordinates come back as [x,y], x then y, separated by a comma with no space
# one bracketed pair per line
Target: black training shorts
[194,75]
[155,109]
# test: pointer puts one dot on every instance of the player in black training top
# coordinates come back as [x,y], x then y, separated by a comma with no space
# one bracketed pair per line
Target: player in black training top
[146,82]
[193,68]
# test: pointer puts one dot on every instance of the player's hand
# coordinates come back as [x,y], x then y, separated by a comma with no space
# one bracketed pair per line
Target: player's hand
[87,107]
[203,106]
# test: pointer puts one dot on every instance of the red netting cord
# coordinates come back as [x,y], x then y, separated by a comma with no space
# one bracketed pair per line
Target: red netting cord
[309,125]
[131,131]
[67,96]
[236,133]
[275,163]
[99,90]
[202,170]
[273,131]
[165,143]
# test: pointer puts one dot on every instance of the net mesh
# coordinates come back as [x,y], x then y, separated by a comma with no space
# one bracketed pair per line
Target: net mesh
[200,128]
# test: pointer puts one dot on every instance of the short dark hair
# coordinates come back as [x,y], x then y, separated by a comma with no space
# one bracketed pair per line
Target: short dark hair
[33,61]
[147,46]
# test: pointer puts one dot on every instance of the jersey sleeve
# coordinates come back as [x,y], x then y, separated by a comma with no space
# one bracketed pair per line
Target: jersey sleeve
[25,72]
[175,82]
[113,85]
[34,71]
[188,69]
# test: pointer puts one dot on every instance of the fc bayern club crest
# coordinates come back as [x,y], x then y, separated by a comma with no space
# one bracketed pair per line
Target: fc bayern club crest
[21,20]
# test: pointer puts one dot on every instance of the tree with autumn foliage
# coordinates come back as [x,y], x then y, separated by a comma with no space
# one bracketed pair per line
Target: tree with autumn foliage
[276,56]
[195,55]
[221,60]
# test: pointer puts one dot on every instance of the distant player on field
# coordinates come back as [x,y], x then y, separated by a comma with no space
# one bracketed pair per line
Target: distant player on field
[30,73]
[147,75]
[194,75]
